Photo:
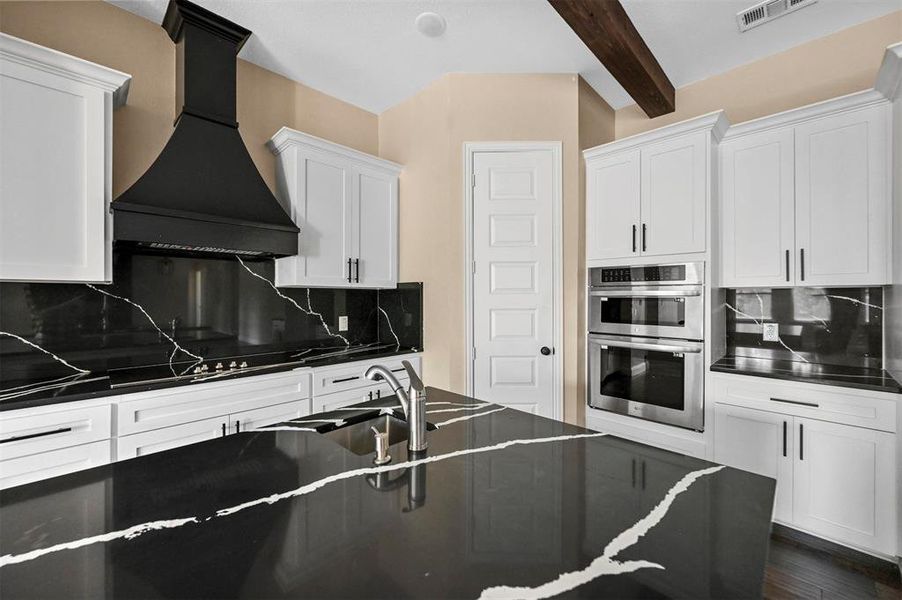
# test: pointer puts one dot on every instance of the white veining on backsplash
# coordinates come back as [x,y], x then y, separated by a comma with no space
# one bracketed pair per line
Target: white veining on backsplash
[47,352]
[606,564]
[390,328]
[307,311]
[136,530]
[761,324]
[155,326]
[823,322]
[854,301]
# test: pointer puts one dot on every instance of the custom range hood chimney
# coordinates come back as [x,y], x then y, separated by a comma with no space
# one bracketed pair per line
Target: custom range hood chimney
[203,194]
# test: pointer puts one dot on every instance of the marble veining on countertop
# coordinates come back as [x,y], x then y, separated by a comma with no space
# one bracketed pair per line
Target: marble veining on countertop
[842,376]
[503,504]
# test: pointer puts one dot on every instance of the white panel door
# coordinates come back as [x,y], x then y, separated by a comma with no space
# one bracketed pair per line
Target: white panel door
[149,442]
[53,174]
[842,198]
[249,420]
[612,206]
[760,442]
[323,212]
[674,195]
[376,221]
[844,485]
[329,402]
[513,293]
[34,467]
[758,234]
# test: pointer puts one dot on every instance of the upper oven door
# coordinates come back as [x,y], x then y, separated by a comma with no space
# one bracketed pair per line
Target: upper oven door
[662,311]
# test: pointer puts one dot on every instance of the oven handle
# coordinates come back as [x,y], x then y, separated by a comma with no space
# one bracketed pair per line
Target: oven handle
[646,293]
[602,341]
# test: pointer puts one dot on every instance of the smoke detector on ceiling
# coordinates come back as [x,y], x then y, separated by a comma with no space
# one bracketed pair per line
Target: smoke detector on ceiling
[430,24]
[766,11]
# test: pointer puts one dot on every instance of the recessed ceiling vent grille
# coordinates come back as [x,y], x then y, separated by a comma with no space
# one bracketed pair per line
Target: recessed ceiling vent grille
[766,11]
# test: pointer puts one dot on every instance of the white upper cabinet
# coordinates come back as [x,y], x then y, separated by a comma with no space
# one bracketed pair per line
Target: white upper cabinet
[56,133]
[806,196]
[757,210]
[346,205]
[648,195]
[612,207]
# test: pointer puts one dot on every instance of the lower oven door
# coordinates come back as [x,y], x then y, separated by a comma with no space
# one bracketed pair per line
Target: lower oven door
[653,379]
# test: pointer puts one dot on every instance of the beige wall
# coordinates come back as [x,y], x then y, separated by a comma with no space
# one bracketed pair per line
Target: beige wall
[426,134]
[838,64]
[102,33]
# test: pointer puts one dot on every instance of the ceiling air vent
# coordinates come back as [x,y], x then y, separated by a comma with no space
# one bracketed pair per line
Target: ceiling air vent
[768,11]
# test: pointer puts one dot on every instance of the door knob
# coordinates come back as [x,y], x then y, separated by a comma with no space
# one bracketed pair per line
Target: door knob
[545,350]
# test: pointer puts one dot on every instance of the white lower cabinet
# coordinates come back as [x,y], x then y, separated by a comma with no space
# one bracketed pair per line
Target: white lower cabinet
[834,480]
[34,467]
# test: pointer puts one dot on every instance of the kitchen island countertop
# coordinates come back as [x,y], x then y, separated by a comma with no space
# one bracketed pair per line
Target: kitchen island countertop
[502,504]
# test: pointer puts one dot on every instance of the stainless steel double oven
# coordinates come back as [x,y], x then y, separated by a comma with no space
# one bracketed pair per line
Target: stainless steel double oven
[646,342]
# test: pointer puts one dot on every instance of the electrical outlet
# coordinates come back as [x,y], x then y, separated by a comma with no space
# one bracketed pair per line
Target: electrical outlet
[342,323]
[771,332]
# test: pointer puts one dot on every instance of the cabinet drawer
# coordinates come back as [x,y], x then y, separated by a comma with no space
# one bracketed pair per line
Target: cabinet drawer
[814,401]
[165,408]
[329,380]
[25,432]
[252,419]
[34,467]
[149,442]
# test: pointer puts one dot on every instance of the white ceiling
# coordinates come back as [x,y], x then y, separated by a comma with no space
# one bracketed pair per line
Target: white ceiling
[368,52]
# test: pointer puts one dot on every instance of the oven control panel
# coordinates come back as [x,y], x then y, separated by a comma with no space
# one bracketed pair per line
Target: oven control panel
[646,275]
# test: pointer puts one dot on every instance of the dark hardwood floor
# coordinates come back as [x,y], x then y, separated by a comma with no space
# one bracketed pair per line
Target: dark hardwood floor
[802,566]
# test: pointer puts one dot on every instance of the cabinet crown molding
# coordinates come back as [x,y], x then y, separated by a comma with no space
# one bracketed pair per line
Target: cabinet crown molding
[286,138]
[799,115]
[889,77]
[65,65]
[716,122]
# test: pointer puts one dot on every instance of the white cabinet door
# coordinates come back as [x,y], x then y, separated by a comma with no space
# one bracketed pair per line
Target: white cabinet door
[34,467]
[320,193]
[758,215]
[842,198]
[249,420]
[376,229]
[55,168]
[674,195]
[141,444]
[760,442]
[612,206]
[844,484]
[341,399]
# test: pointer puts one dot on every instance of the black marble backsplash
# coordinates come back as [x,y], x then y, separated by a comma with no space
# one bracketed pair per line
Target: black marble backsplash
[829,326]
[167,308]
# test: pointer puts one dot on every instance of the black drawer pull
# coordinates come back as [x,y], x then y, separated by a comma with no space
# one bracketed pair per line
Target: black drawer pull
[799,402]
[344,379]
[32,436]
[787,265]
[801,442]
[398,370]
[802,259]
[223,430]
[784,438]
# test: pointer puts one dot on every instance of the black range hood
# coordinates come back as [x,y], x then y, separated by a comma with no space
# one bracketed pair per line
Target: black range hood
[204,194]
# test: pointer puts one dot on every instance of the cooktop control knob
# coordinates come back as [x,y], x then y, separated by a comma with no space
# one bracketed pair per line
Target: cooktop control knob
[218,366]
[243,365]
[233,365]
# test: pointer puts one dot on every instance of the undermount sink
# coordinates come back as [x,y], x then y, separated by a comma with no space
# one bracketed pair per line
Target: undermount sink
[359,437]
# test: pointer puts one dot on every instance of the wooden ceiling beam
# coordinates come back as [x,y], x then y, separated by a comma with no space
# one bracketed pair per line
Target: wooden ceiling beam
[606,29]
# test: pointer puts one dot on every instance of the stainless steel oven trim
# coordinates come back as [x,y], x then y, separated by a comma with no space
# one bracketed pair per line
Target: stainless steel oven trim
[693,417]
[694,329]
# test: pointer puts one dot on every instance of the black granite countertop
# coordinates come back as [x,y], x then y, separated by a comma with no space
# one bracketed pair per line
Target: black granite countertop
[876,380]
[39,390]
[502,504]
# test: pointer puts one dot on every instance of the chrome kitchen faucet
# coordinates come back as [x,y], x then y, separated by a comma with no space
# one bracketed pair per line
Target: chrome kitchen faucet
[413,401]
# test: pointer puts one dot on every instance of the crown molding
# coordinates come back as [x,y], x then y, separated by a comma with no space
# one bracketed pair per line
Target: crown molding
[806,113]
[889,77]
[286,138]
[716,122]
[58,63]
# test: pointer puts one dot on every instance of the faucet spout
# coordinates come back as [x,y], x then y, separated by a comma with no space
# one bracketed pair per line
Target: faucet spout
[377,372]
[413,402]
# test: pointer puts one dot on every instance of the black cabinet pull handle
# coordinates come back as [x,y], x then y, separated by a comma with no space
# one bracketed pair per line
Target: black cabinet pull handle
[237,426]
[801,442]
[787,265]
[398,370]
[784,438]
[634,472]
[644,237]
[378,394]
[344,379]
[371,395]
[31,436]
[223,430]
[634,238]
[349,270]
[798,402]
[357,270]
[802,256]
